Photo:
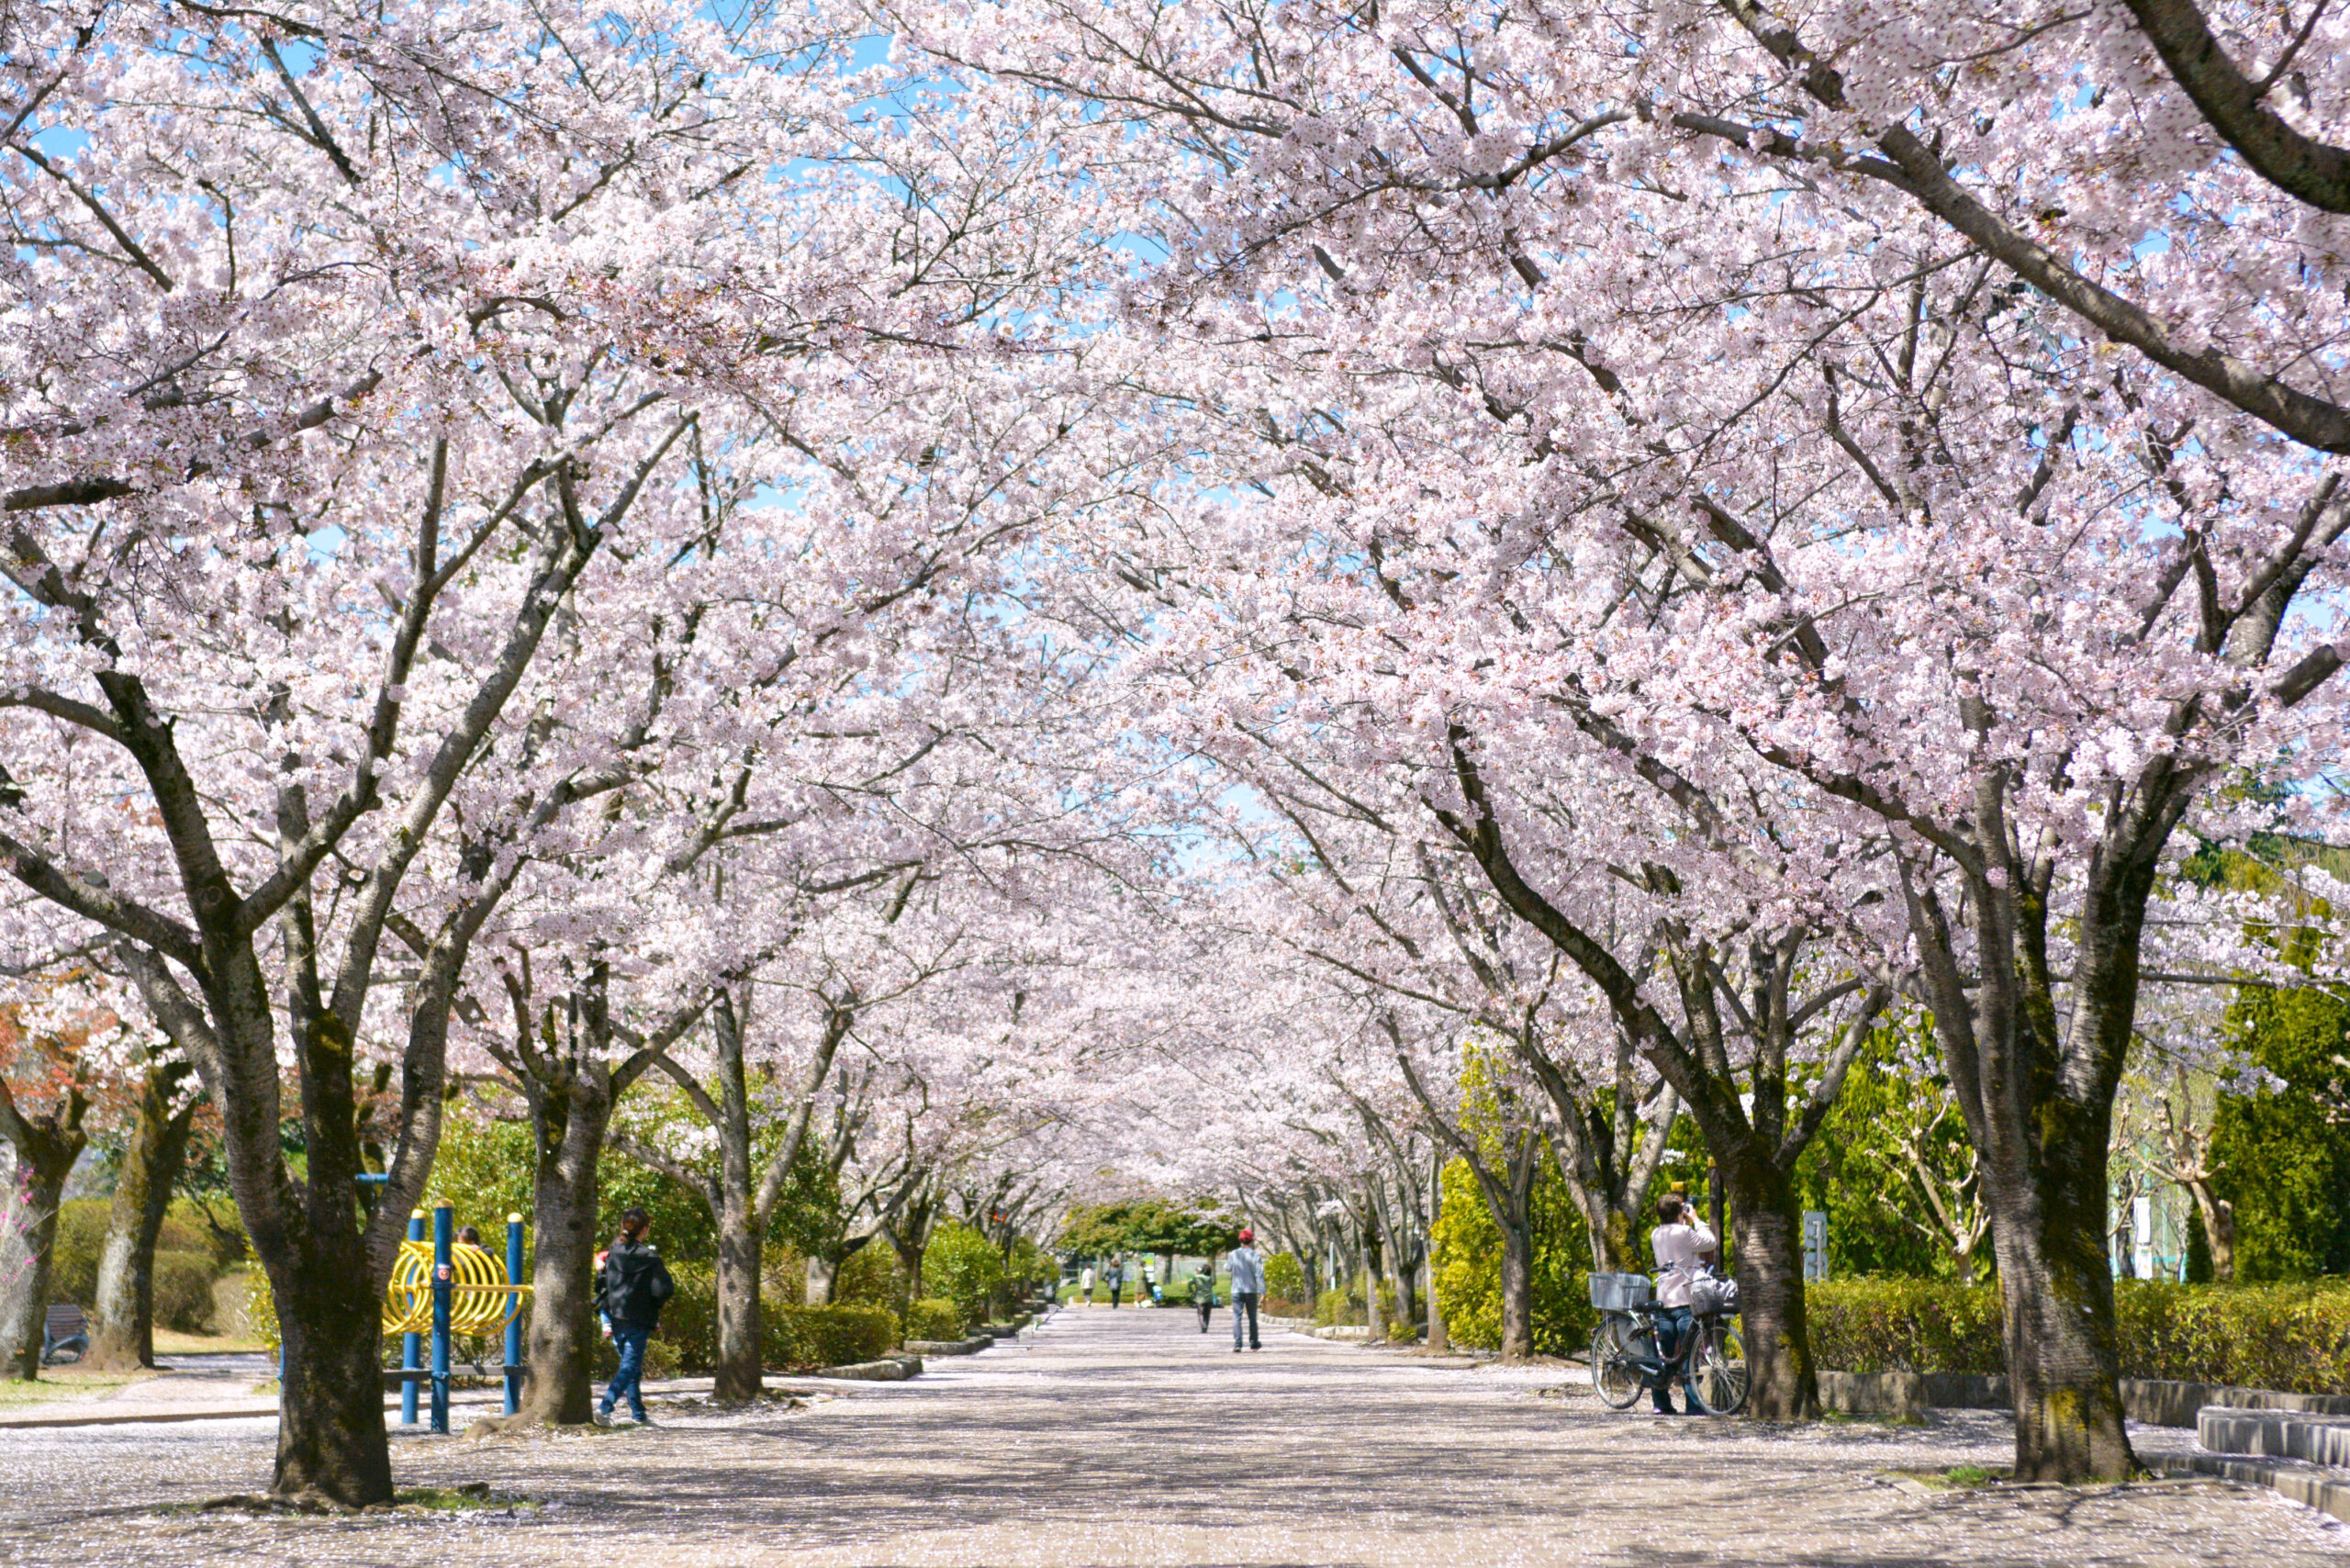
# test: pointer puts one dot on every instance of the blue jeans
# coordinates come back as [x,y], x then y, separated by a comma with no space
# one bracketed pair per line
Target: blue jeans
[1671,1330]
[629,1340]
[1244,1310]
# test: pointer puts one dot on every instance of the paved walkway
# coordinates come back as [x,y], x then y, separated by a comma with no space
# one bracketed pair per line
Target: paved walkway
[1128,1439]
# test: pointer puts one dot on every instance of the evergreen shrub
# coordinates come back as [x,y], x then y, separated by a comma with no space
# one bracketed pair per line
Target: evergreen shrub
[1285,1283]
[790,1335]
[935,1317]
[184,1291]
[965,1267]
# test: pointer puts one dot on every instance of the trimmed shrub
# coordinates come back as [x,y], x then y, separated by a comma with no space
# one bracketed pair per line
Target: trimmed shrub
[74,1254]
[870,1277]
[1876,1326]
[790,1336]
[830,1335]
[184,1291]
[1338,1308]
[2295,1339]
[935,1317]
[661,1357]
[187,1262]
[1285,1279]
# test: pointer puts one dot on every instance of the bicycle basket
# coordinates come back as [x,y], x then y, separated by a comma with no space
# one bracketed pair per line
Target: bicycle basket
[1712,1294]
[1620,1293]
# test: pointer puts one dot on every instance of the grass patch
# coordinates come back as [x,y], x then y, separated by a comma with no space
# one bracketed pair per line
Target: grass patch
[65,1383]
[171,1342]
[1957,1477]
[465,1498]
[1870,1419]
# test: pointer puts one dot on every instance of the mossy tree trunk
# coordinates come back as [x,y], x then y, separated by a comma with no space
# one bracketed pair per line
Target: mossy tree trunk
[122,1328]
[47,1143]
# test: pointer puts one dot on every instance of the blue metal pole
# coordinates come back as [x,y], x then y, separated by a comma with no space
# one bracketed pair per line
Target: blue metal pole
[443,1234]
[411,1342]
[514,1324]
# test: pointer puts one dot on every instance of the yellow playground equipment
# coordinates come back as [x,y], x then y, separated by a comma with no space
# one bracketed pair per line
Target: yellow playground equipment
[481,1298]
[444,1286]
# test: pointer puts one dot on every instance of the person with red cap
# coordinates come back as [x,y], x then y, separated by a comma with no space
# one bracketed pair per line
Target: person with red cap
[1248,1289]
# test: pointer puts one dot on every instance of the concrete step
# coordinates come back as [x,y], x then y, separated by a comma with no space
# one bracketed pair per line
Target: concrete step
[2326,1490]
[2274,1434]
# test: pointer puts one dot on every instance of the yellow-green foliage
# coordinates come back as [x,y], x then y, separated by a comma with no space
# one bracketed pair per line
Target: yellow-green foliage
[790,1336]
[1469,1266]
[1872,1325]
[2294,1338]
[964,1267]
[261,1308]
[870,1277]
[2290,1337]
[935,1317]
[1284,1280]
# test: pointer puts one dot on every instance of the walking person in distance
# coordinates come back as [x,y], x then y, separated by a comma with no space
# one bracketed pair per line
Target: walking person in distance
[1085,1284]
[1681,1241]
[630,1289]
[1247,1290]
[1203,1293]
[1116,1278]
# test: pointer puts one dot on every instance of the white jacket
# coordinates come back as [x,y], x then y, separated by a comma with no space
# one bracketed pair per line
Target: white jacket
[1677,1248]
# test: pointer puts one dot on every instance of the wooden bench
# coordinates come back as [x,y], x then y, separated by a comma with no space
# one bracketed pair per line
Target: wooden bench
[66,1336]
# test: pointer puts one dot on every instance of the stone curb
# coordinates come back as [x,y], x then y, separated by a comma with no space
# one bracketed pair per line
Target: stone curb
[2150,1402]
[895,1369]
[139,1419]
[971,1346]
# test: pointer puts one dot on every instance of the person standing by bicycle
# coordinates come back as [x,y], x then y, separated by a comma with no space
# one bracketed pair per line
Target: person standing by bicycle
[1681,1242]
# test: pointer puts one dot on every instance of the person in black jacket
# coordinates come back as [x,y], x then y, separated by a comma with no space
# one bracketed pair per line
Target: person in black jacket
[629,1291]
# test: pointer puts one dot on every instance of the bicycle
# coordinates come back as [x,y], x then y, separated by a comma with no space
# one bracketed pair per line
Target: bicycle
[1626,1359]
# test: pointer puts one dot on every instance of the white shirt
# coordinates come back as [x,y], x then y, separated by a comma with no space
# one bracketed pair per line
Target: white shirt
[1677,1246]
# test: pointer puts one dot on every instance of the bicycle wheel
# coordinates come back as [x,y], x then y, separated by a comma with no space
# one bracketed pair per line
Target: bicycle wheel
[1722,1381]
[1615,1373]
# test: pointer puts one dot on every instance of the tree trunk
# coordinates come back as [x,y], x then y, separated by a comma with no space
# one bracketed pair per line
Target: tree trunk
[909,1264]
[740,1362]
[2056,1297]
[1517,1293]
[27,1320]
[2219,1217]
[1373,1313]
[331,1442]
[122,1329]
[1769,1254]
[1439,1339]
[823,1272]
[568,1120]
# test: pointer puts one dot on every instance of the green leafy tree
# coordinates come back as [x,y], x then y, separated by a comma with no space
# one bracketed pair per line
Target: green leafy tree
[2283,1156]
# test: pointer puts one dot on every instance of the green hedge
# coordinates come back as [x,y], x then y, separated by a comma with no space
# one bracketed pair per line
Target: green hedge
[2294,1338]
[933,1318]
[1872,1325]
[791,1335]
